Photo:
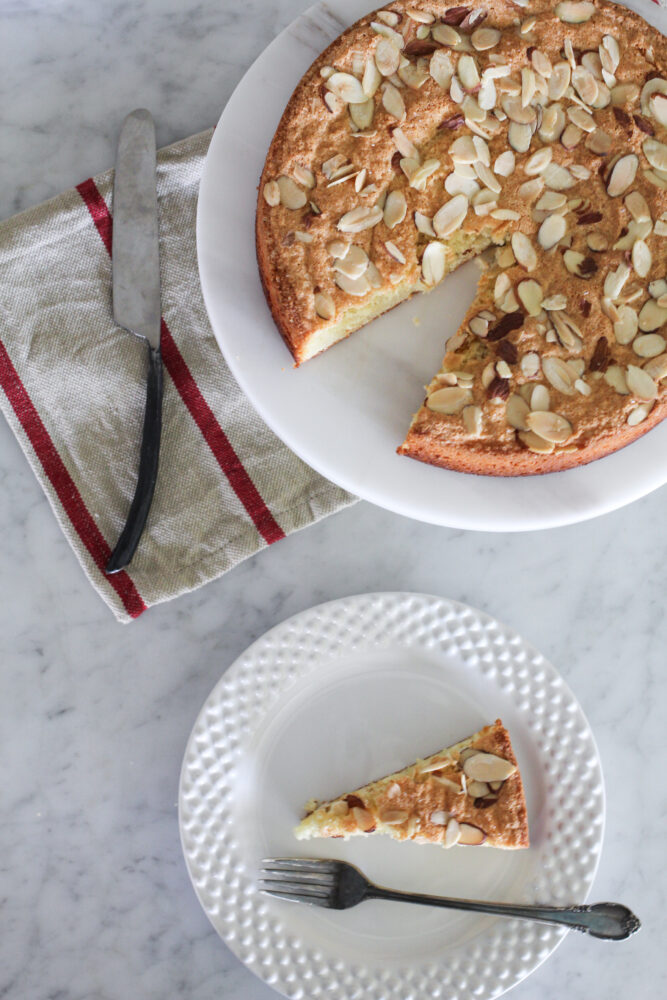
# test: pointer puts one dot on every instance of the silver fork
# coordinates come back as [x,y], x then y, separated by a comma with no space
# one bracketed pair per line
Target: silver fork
[337,885]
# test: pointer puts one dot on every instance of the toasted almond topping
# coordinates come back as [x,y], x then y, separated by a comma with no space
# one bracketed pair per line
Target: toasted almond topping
[539,398]
[657,367]
[519,137]
[441,68]
[393,817]
[271,192]
[641,258]
[324,305]
[291,196]
[516,411]
[558,178]
[352,286]
[615,280]
[468,73]
[504,165]
[395,209]
[371,79]
[434,262]
[649,345]
[363,819]
[485,38]
[524,251]
[448,218]
[639,413]
[622,175]
[387,57]
[449,400]
[625,327]
[530,293]
[656,153]
[559,375]
[470,835]
[536,443]
[392,101]
[550,426]
[362,114]
[530,364]
[387,32]
[347,88]
[615,377]
[651,317]
[452,833]
[424,224]
[573,12]
[360,218]
[640,383]
[551,231]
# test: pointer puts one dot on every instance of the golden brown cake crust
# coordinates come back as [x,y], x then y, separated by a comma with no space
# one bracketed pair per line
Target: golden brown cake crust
[614,387]
[425,796]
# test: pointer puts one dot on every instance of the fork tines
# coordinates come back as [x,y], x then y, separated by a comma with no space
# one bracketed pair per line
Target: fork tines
[299,880]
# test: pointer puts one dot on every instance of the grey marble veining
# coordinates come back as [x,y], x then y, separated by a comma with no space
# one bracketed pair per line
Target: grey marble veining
[94,717]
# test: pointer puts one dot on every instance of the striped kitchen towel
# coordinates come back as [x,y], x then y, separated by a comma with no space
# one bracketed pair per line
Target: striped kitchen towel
[73,391]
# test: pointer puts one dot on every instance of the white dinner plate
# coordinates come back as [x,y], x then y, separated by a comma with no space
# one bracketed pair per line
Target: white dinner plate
[345,412]
[329,700]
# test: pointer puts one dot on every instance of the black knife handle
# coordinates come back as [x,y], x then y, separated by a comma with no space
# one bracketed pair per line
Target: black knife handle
[148,463]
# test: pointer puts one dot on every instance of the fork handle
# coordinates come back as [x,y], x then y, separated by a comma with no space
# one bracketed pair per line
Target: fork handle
[611,921]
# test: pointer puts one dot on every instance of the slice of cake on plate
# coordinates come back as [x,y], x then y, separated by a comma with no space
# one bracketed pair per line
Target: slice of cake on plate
[469,793]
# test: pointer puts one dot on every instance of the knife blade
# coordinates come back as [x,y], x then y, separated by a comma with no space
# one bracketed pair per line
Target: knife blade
[136,301]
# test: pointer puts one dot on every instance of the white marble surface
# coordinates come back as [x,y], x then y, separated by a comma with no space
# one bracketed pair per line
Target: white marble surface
[94,898]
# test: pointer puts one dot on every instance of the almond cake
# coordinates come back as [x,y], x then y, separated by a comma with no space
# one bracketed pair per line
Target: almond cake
[532,133]
[471,793]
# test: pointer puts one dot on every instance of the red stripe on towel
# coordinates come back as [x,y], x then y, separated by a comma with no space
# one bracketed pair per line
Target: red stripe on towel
[65,487]
[190,393]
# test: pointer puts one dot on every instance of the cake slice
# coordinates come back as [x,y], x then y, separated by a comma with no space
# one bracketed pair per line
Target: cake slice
[469,793]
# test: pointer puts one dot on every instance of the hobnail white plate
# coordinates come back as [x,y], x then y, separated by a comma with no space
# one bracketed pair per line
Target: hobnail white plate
[334,697]
[345,413]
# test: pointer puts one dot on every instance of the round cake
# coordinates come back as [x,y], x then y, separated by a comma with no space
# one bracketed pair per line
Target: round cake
[530,135]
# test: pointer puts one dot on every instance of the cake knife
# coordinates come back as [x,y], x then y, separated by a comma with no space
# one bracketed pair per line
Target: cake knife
[136,301]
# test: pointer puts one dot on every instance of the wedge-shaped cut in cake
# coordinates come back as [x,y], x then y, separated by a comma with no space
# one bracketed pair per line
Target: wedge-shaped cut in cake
[470,793]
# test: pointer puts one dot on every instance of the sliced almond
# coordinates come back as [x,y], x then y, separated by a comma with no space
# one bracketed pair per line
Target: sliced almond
[359,219]
[535,443]
[441,68]
[615,280]
[656,153]
[450,217]
[539,161]
[622,175]
[468,73]
[651,317]
[519,137]
[550,426]
[354,263]
[559,375]
[478,789]
[452,833]
[347,88]
[471,835]
[271,193]
[625,328]
[530,190]
[559,80]
[434,262]
[524,251]
[657,367]
[641,258]
[395,209]
[324,305]
[649,345]
[585,84]
[516,411]
[639,413]
[393,817]
[530,294]
[392,101]
[572,12]
[597,242]
[352,286]
[449,400]
[640,383]
[551,231]
[540,399]
[615,377]
[530,364]
[504,164]
[558,178]
[363,819]
[291,196]
[488,767]
[424,224]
